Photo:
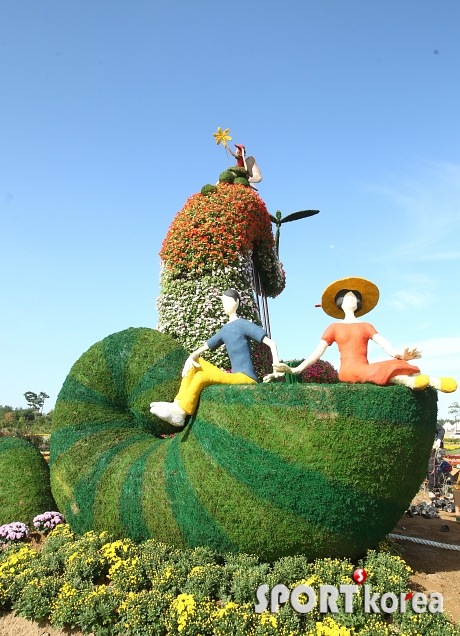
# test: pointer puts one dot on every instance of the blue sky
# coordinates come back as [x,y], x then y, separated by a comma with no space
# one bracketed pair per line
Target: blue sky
[108,110]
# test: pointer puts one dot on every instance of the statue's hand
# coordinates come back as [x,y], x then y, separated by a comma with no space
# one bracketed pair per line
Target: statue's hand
[410,354]
[282,368]
[189,363]
[272,376]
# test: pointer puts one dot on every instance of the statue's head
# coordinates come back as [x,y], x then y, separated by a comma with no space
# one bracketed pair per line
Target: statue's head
[349,299]
[230,301]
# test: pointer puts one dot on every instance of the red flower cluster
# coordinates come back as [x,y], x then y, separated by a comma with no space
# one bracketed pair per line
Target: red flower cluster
[321,372]
[210,231]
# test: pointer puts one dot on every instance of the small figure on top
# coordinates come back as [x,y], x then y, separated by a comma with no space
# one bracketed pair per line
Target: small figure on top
[240,155]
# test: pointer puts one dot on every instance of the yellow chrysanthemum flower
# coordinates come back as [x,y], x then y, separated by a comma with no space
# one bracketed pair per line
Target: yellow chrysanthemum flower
[222,136]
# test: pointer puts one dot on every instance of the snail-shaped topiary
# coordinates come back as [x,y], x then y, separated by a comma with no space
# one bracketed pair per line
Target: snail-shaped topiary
[322,470]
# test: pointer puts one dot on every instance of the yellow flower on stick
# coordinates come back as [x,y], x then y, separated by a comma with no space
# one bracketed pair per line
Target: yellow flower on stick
[222,136]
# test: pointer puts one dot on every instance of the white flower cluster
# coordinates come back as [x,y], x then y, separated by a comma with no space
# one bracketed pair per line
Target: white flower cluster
[190,309]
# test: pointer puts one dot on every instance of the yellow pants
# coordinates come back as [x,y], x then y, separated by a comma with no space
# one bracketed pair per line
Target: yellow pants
[197,379]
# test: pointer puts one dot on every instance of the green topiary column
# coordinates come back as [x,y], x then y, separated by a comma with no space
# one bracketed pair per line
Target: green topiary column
[25,490]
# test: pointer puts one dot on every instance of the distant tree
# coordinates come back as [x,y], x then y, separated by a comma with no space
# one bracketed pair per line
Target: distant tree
[454,409]
[36,401]
[8,418]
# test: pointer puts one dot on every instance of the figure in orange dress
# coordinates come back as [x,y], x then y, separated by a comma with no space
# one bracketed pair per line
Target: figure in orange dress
[349,298]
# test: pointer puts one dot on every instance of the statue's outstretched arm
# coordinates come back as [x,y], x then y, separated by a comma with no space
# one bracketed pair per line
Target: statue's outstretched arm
[391,351]
[312,358]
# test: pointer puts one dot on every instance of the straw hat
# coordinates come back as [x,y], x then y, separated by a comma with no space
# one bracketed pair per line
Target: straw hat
[368,291]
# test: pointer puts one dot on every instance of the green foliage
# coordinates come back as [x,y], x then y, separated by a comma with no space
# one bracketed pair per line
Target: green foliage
[145,613]
[14,561]
[239,171]
[91,608]
[36,400]
[208,189]
[226,177]
[194,592]
[241,181]
[25,484]
[24,422]
[37,597]
[430,624]
[454,410]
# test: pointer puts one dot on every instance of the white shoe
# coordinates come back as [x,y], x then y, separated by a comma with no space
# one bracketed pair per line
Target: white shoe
[164,411]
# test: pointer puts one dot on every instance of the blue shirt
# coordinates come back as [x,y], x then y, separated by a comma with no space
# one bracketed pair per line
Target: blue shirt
[235,335]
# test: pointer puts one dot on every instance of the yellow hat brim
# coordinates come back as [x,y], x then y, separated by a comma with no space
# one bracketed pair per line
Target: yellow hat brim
[368,291]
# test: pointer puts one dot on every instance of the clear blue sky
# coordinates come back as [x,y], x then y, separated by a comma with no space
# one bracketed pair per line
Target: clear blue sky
[107,115]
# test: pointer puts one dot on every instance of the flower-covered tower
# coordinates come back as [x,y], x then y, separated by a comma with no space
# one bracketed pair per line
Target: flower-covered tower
[211,245]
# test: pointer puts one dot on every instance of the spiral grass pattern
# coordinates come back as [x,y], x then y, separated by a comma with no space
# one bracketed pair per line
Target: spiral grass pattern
[323,470]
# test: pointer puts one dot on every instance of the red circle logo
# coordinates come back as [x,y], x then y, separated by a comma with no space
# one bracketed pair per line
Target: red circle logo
[359,576]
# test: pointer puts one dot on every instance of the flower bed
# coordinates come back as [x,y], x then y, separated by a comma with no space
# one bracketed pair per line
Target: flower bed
[115,587]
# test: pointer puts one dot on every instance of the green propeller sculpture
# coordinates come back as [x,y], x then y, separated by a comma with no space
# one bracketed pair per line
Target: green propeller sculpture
[290,217]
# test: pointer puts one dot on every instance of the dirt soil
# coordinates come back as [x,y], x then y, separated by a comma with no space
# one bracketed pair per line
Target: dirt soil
[435,570]
[11,625]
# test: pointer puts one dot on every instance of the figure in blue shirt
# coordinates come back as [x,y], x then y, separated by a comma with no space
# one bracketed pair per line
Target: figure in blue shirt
[198,373]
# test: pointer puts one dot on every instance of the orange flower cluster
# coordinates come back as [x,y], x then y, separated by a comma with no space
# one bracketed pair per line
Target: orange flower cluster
[210,231]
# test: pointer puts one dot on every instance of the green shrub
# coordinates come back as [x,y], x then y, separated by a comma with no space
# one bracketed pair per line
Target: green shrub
[25,485]
[91,608]
[430,624]
[239,171]
[145,613]
[241,181]
[226,177]
[37,597]
[15,561]
[208,189]
[194,592]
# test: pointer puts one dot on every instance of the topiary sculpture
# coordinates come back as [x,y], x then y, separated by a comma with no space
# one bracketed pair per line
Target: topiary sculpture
[209,247]
[25,484]
[323,470]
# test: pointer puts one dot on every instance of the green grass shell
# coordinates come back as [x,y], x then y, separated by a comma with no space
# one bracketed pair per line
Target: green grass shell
[25,483]
[323,470]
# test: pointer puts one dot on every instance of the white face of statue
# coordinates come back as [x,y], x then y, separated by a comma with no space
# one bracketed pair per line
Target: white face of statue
[350,302]
[230,304]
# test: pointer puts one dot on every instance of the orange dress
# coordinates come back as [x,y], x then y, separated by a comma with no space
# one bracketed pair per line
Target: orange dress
[352,339]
